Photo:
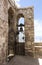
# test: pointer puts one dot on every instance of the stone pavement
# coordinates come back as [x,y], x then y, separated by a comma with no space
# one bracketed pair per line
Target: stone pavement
[23,60]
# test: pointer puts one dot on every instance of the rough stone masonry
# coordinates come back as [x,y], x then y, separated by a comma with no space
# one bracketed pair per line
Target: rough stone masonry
[3,29]
[13,14]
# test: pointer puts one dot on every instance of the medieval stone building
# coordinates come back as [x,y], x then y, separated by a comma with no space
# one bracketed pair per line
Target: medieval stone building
[9,16]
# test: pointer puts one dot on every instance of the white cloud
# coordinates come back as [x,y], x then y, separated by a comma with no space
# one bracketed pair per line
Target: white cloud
[38,30]
[17,3]
[40,61]
[17,0]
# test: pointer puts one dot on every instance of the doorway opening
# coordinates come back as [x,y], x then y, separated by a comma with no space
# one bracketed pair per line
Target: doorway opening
[20,38]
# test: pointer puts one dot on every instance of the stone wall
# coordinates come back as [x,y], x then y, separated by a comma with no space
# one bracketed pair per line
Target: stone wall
[29,29]
[3,29]
[37,49]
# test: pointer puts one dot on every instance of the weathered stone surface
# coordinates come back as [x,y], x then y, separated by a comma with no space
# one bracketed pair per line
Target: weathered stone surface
[3,10]
[8,29]
[3,29]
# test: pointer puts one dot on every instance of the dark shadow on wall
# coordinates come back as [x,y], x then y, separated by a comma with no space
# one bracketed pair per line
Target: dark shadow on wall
[11,32]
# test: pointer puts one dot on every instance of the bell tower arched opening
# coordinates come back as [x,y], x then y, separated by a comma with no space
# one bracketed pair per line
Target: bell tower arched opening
[20,38]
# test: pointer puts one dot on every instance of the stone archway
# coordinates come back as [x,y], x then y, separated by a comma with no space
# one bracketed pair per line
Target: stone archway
[28,15]
[11,33]
[20,44]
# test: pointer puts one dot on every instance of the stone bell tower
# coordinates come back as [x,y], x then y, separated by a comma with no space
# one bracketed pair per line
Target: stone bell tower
[28,15]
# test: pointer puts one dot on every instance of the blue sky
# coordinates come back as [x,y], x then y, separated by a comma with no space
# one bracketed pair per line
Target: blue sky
[37,15]
[37,6]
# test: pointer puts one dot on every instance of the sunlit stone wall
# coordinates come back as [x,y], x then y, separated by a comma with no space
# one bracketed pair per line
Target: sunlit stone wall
[3,29]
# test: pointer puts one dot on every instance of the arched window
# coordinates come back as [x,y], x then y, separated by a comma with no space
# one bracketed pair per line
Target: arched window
[21,23]
[21,30]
